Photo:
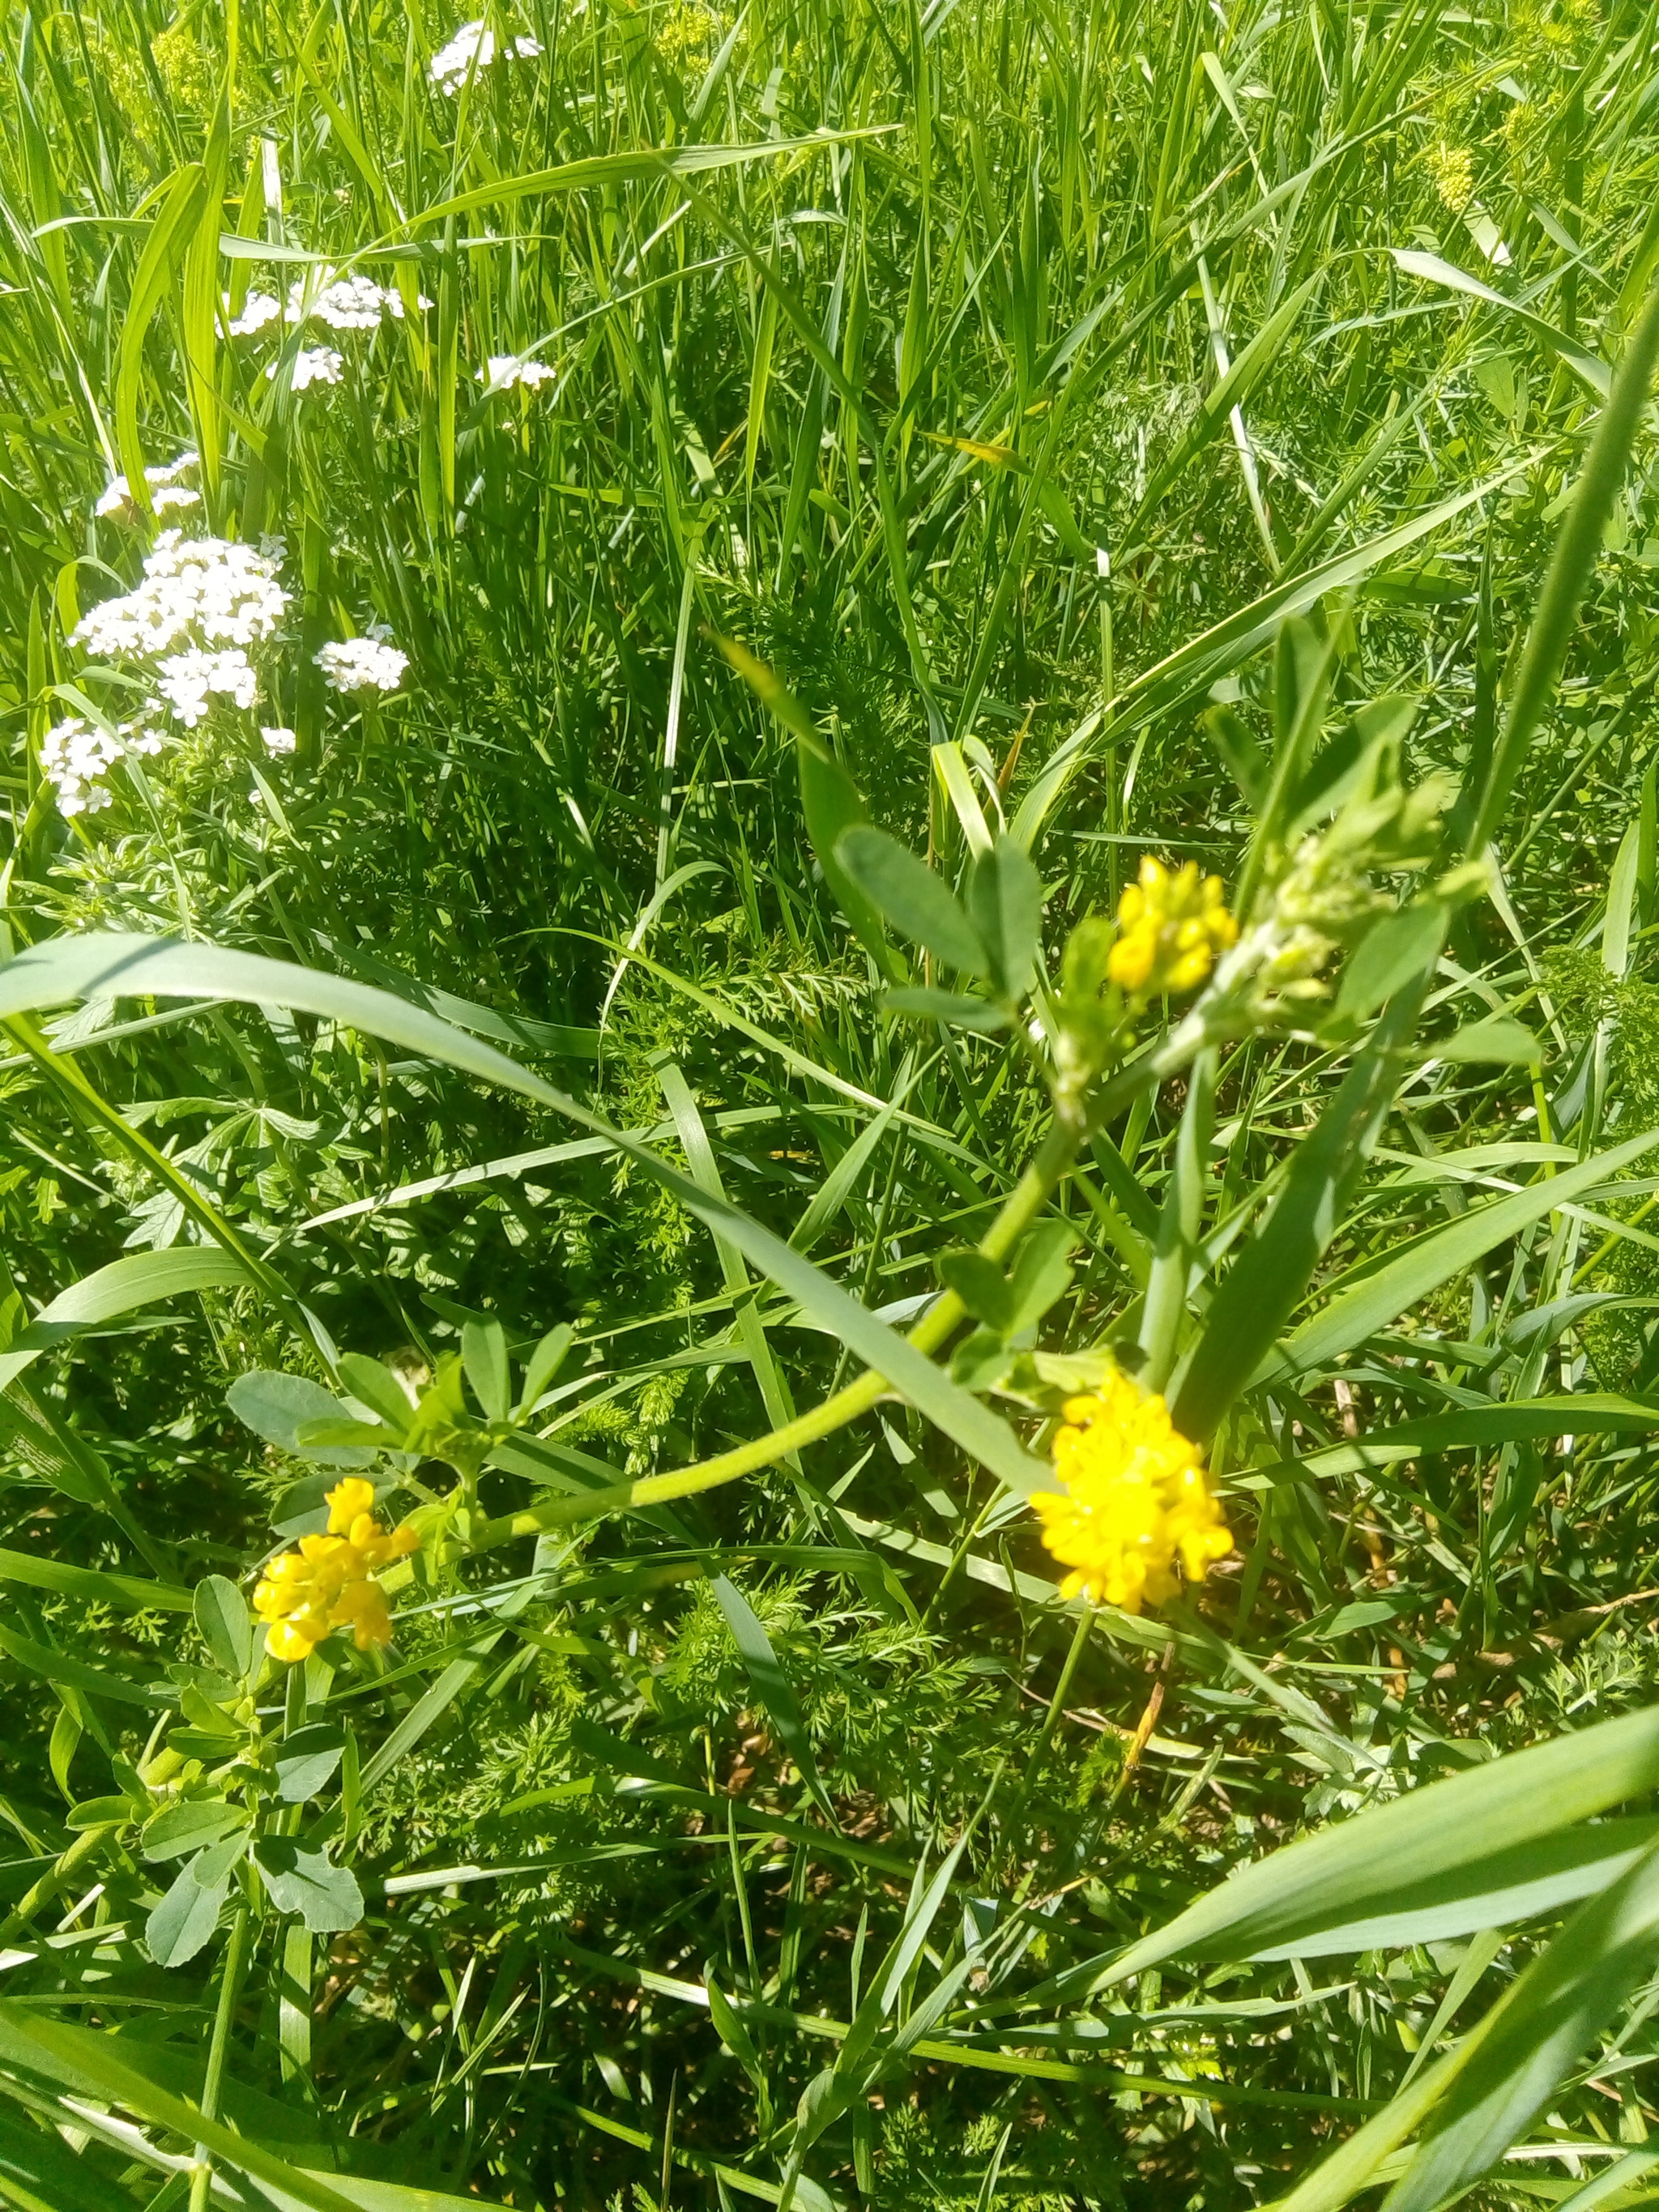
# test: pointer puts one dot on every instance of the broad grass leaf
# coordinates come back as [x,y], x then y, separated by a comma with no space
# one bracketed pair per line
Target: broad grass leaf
[225,1625]
[327,1897]
[40,2172]
[1335,1877]
[276,1407]
[53,1666]
[1391,1290]
[1433,270]
[1511,1886]
[99,2064]
[1545,2023]
[126,1593]
[913,900]
[124,1286]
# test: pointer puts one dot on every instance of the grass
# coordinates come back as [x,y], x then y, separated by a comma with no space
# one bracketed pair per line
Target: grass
[1078,433]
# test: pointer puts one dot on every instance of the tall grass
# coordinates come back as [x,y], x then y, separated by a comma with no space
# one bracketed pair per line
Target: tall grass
[1073,433]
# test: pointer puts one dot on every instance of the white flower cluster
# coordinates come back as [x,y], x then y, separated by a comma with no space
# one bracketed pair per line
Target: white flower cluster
[473,49]
[165,492]
[349,303]
[73,755]
[506,369]
[186,681]
[259,310]
[280,740]
[312,365]
[206,591]
[363,664]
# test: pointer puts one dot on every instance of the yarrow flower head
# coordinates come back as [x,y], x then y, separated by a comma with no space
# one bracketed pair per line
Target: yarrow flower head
[363,664]
[506,369]
[473,49]
[165,492]
[186,680]
[312,365]
[280,740]
[260,311]
[329,1582]
[76,754]
[1136,1513]
[346,303]
[196,591]
[1171,928]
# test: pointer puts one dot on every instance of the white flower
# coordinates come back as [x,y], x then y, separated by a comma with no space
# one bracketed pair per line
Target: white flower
[259,309]
[315,365]
[346,303]
[473,49]
[73,755]
[164,489]
[196,591]
[187,679]
[363,664]
[279,741]
[506,369]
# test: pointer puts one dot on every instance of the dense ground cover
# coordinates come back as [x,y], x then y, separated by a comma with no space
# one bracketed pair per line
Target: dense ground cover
[630,452]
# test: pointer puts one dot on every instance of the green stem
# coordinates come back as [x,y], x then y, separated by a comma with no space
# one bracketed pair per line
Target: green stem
[1073,1124]
[230,1989]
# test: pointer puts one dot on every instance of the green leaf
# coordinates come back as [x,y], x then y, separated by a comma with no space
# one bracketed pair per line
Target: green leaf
[1514,1885]
[380,1390]
[187,1915]
[912,899]
[102,2065]
[1400,946]
[956,1007]
[191,1824]
[225,1625]
[124,1287]
[772,1686]
[1331,1879]
[305,1759]
[1545,2023]
[1005,904]
[126,1593]
[75,1673]
[1500,1038]
[484,1353]
[326,1896]
[1389,1291]
[982,1286]
[41,2174]
[274,1405]
[1042,1273]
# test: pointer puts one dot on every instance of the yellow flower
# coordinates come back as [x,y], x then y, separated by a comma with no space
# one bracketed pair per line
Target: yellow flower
[1171,928]
[1452,168]
[329,1582]
[1136,1503]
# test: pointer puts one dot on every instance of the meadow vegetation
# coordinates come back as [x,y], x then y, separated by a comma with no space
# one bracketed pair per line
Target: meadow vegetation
[769,772]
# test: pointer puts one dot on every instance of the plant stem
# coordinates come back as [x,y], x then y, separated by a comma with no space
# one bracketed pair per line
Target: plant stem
[230,1989]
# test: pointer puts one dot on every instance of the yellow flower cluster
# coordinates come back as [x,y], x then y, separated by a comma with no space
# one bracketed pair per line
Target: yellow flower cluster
[1170,927]
[329,1582]
[1136,1502]
[1452,169]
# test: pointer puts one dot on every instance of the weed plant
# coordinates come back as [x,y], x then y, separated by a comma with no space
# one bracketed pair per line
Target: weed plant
[583,1003]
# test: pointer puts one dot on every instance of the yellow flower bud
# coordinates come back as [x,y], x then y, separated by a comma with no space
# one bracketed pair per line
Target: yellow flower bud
[1171,928]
